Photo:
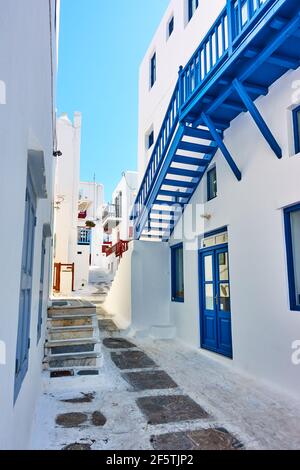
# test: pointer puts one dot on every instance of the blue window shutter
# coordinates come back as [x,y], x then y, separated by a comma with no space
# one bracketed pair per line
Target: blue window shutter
[296,125]
[41,292]
[23,340]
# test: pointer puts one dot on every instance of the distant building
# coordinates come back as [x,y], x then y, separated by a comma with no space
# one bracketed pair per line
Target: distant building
[116,216]
[67,176]
[90,229]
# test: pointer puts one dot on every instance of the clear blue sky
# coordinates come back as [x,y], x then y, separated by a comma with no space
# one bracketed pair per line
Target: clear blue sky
[101,46]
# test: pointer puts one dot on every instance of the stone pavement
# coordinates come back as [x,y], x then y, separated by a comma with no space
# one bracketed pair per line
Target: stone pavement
[160,395]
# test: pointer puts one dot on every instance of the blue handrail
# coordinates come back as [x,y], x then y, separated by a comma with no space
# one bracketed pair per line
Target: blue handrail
[233,23]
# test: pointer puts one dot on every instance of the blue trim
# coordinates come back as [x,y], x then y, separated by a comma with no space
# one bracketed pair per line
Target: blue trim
[174,248]
[296,120]
[290,257]
[214,232]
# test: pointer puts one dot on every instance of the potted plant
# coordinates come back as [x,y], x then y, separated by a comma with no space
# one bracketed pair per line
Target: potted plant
[90,224]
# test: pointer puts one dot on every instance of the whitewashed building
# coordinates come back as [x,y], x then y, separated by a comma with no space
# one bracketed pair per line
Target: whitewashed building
[216,262]
[90,228]
[116,221]
[28,61]
[67,177]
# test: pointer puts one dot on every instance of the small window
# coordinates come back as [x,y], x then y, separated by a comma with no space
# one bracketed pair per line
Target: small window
[193,5]
[171,26]
[150,139]
[153,70]
[292,233]
[177,273]
[212,184]
[296,123]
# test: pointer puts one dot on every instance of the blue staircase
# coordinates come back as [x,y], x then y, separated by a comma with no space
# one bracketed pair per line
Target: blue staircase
[250,46]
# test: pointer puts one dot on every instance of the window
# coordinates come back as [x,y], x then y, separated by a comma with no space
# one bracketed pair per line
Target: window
[118,205]
[193,5]
[23,338]
[177,273]
[153,70]
[296,123]
[41,291]
[84,236]
[211,183]
[292,233]
[170,26]
[150,139]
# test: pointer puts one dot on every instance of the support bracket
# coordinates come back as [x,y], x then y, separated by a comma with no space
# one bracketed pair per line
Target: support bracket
[257,117]
[217,138]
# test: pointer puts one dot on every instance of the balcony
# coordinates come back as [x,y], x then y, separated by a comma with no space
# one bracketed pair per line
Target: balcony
[250,46]
[111,217]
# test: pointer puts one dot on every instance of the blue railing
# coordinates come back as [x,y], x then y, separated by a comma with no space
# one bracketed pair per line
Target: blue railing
[235,20]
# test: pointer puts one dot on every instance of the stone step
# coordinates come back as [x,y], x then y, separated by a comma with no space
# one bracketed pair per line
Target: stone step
[71,332]
[65,314]
[89,320]
[69,361]
[71,307]
[71,342]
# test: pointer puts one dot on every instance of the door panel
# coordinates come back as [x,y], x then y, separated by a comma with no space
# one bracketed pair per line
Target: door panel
[215,301]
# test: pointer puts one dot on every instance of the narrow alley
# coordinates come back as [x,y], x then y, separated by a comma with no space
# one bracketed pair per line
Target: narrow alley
[154,394]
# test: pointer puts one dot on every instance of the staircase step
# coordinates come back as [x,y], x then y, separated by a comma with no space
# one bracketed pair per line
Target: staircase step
[199,162]
[71,342]
[71,332]
[198,133]
[197,148]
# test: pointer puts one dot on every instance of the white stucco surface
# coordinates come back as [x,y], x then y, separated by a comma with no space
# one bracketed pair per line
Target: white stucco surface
[26,125]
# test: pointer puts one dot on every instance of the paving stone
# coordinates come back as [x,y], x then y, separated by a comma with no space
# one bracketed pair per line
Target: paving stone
[204,439]
[71,420]
[132,360]
[78,348]
[88,372]
[98,419]
[61,373]
[170,409]
[85,398]
[77,446]
[149,380]
[107,325]
[118,343]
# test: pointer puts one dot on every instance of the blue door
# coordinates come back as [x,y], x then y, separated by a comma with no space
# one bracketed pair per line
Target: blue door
[215,315]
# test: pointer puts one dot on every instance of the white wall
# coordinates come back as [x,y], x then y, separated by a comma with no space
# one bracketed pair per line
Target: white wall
[263,325]
[139,296]
[170,54]
[25,124]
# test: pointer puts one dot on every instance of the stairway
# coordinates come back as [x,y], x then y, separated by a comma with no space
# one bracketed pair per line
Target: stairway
[190,153]
[73,344]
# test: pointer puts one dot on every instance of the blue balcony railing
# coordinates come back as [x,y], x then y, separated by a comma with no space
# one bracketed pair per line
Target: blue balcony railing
[233,24]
